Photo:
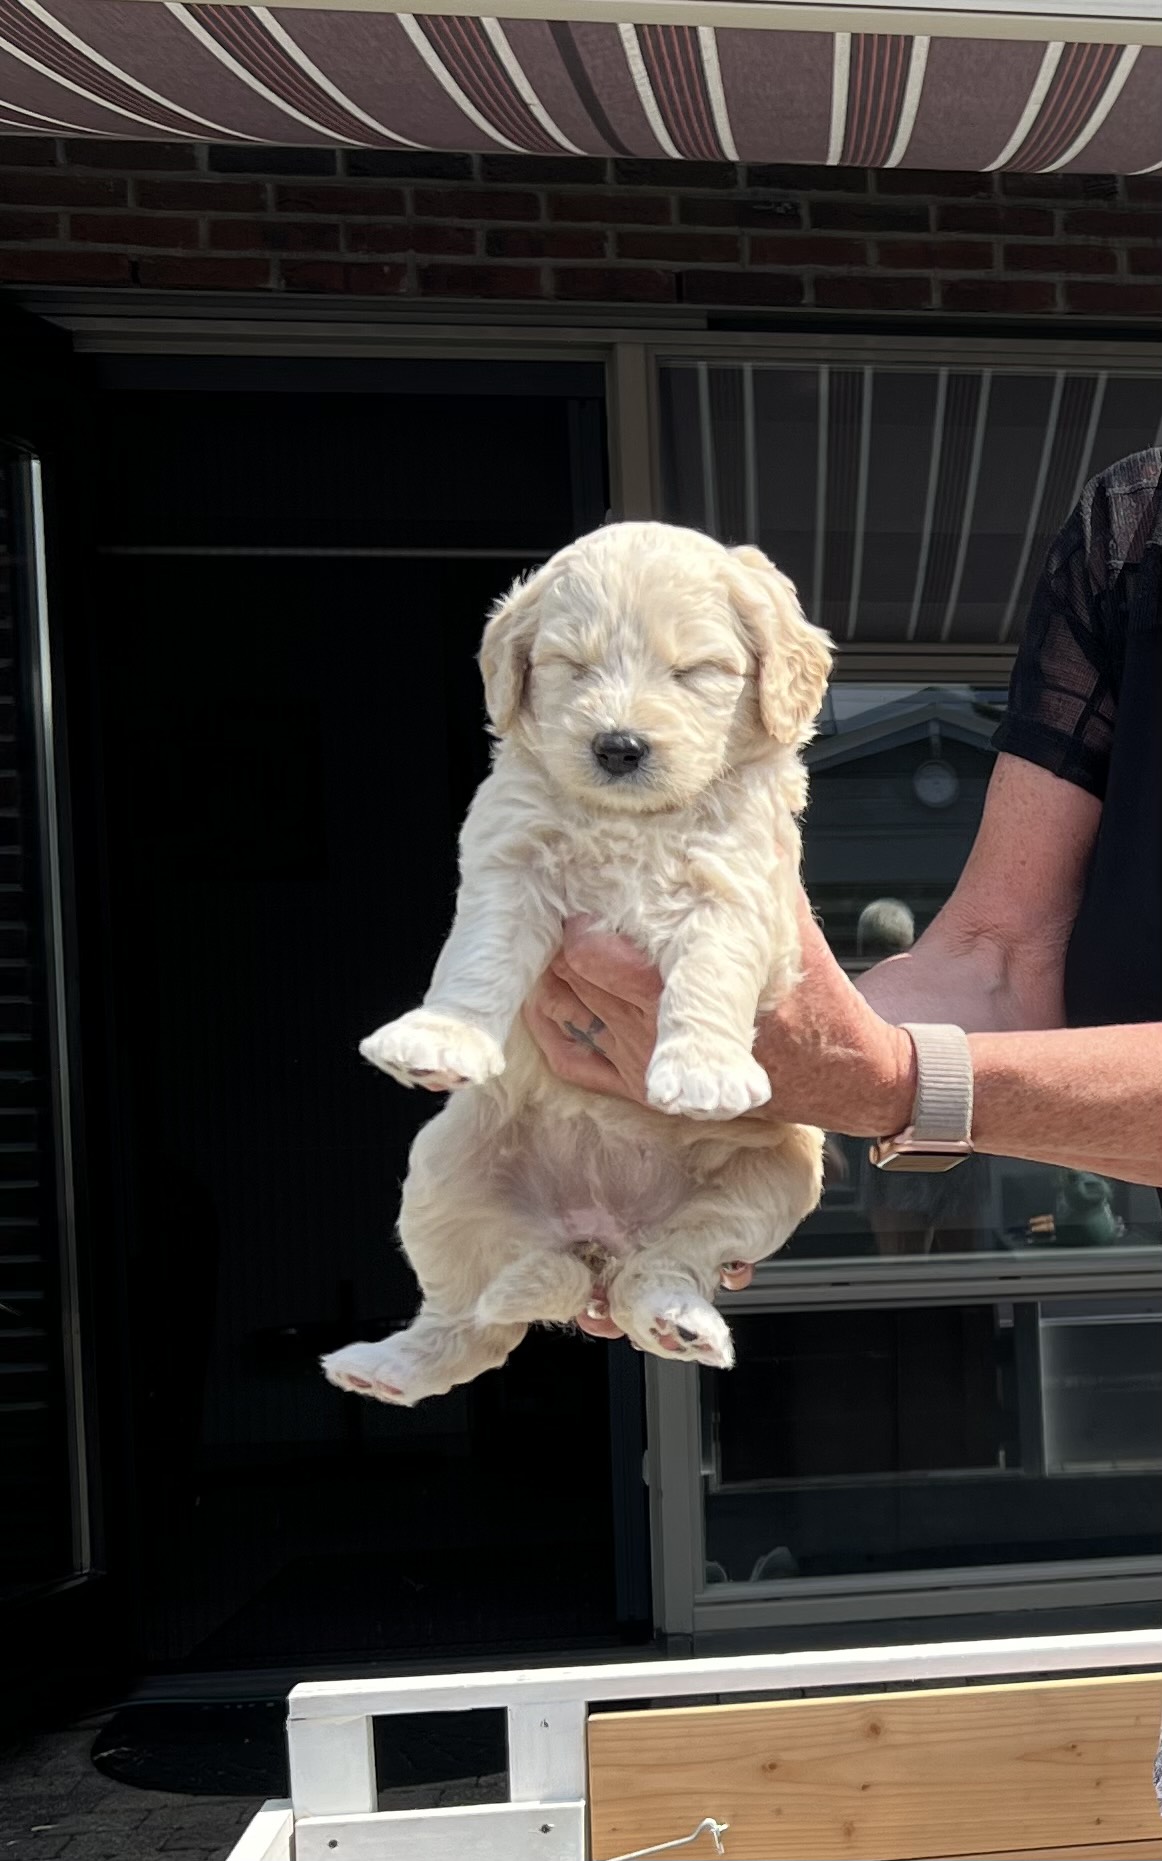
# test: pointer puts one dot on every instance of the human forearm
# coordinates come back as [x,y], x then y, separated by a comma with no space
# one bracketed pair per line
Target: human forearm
[994,957]
[1080,1097]
[1088,1097]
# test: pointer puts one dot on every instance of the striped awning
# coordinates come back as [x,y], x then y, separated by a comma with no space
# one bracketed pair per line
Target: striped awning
[590,86]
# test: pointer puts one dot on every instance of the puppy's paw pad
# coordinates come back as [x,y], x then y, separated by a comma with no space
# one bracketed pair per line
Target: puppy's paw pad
[368,1370]
[435,1051]
[693,1084]
[689,1328]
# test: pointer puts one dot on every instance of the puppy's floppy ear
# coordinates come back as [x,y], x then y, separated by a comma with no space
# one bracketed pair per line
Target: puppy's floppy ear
[505,648]
[794,658]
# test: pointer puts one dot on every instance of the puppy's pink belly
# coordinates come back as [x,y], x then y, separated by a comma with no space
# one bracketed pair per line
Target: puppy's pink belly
[581,1187]
[599,1225]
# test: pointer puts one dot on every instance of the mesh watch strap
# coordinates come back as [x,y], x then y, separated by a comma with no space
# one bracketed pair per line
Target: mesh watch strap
[942,1113]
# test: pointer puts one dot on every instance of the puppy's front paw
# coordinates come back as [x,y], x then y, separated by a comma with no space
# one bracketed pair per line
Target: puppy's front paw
[433,1050]
[692,1079]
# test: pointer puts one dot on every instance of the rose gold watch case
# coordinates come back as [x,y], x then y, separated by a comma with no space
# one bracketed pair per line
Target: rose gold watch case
[909,1154]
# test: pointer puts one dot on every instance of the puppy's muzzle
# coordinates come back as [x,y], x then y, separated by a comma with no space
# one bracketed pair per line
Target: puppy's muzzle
[619,752]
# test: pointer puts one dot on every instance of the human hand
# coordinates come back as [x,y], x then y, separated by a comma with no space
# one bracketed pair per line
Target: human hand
[831,1060]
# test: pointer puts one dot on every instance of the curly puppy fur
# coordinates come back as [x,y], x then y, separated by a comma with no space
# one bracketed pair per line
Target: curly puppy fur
[526,1197]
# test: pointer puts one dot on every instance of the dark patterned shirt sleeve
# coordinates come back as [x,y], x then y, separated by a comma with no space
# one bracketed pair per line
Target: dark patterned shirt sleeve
[1062,705]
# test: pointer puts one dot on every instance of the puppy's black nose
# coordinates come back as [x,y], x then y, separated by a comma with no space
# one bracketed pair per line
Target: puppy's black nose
[619,752]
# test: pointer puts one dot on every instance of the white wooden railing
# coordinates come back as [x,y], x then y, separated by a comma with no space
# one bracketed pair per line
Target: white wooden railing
[334,1814]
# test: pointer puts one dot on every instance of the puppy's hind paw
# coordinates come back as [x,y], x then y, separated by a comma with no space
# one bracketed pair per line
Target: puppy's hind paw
[690,1082]
[684,1326]
[368,1370]
[435,1051]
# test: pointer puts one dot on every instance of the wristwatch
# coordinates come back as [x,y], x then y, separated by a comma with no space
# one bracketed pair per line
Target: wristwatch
[939,1135]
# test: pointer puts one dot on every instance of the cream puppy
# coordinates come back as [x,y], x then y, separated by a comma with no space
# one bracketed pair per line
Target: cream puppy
[650,692]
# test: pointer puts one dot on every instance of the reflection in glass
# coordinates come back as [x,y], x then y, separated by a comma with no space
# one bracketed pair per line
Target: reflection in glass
[906,503]
[911,505]
[898,779]
[935,1437]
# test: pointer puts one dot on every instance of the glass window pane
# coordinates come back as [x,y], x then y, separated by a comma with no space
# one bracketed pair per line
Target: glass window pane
[788,457]
[851,1443]
[906,503]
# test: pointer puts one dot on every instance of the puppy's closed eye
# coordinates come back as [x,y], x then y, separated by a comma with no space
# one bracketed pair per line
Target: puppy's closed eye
[576,666]
[705,668]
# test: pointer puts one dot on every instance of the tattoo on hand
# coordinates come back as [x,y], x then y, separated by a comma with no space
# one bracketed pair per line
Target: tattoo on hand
[587,1036]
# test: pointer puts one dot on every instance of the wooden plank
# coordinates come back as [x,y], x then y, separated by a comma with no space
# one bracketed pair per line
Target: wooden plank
[740,1673]
[887,1777]
[1105,1851]
[268,1836]
[485,1832]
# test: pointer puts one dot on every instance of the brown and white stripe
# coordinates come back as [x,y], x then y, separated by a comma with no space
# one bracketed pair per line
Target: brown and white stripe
[240,39]
[35,38]
[676,73]
[877,82]
[1075,89]
[587,90]
[473,62]
[294,51]
[36,123]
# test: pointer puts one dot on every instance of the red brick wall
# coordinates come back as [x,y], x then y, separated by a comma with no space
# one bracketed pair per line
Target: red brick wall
[377,223]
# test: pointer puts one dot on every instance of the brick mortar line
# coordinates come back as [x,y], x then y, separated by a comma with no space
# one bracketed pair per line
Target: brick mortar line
[740,259]
[874,184]
[941,235]
[1145,234]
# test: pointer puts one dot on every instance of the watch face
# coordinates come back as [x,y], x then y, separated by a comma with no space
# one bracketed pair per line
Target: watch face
[936,783]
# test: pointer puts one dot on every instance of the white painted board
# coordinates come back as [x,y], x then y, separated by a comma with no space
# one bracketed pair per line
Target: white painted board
[547,1760]
[269,1836]
[744,1673]
[332,1766]
[485,1832]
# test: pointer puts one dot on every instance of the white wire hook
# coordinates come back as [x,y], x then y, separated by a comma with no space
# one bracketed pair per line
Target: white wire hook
[710,1826]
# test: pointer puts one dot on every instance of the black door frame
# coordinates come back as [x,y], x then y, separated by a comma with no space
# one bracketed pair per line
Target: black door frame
[63,1636]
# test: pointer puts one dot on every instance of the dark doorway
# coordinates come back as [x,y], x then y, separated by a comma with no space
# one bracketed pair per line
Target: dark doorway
[295,564]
